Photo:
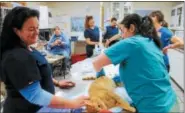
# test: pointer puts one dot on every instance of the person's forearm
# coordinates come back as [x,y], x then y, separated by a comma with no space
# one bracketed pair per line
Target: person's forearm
[101,61]
[115,37]
[92,43]
[56,82]
[38,96]
[176,42]
[52,44]
[176,45]
[59,102]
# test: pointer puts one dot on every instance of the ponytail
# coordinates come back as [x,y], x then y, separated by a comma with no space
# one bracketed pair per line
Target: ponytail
[143,26]
[147,29]
[164,24]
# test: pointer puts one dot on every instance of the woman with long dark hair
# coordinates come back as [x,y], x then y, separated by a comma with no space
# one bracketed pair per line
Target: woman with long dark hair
[25,72]
[142,68]
[166,36]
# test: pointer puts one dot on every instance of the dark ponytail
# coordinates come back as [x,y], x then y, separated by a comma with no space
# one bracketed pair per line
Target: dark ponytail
[164,24]
[147,29]
[143,26]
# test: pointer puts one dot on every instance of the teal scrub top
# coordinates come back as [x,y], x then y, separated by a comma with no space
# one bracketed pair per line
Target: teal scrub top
[143,72]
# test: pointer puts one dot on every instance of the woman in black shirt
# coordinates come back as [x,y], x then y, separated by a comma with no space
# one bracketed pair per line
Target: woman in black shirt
[25,71]
[91,35]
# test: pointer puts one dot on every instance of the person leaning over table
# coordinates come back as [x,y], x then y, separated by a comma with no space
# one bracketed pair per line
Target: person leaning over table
[168,40]
[91,35]
[25,71]
[142,68]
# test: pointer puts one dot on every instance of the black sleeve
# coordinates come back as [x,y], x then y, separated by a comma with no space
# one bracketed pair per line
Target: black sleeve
[21,68]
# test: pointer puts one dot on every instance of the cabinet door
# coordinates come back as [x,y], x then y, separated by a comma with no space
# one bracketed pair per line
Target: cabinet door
[120,9]
[115,9]
[173,21]
[180,17]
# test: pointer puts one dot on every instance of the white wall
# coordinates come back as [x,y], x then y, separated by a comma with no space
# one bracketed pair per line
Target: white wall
[79,9]
[32,4]
[75,9]
[165,7]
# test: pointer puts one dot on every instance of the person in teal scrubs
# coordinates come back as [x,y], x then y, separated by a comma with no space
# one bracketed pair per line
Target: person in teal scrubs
[142,68]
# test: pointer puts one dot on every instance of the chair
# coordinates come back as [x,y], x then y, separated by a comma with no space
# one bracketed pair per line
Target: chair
[61,68]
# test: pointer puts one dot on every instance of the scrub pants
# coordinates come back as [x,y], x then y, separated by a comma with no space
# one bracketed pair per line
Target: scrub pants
[89,50]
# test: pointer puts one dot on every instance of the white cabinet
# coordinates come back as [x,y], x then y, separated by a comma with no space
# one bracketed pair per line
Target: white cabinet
[43,20]
[44,15]
[120,9]
[177,17]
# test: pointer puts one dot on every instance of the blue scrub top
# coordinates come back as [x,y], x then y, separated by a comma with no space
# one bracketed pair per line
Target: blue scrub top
[93,34]
[110,31]
[166,36]
[63,49]
[143,72]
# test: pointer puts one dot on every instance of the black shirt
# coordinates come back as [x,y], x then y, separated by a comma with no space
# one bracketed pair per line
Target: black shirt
[20,67]
[110,32]
[93,34]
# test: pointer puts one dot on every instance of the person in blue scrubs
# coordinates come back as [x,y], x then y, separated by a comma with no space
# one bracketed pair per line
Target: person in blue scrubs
[59,44]
[111,31]
[25,71]
[91,35]
[142,68]
[168,40]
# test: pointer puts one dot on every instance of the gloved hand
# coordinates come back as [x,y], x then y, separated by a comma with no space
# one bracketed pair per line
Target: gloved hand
[101,73]
[117,79]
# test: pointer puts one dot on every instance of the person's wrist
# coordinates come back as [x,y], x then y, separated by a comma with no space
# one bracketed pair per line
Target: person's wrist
[109,40]
[171,46]
[70,104]
[57,83]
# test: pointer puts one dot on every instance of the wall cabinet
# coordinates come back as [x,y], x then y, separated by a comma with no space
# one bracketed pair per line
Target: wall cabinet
[177,17]
[121,9]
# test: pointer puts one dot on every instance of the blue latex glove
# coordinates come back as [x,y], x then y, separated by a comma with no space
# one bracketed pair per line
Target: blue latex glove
[101,73]
[117,79]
